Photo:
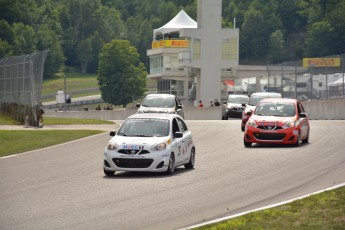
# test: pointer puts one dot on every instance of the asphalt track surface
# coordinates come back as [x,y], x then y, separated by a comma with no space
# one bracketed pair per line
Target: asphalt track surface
[63,187]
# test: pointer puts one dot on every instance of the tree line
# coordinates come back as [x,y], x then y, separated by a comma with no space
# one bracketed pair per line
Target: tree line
[75,31]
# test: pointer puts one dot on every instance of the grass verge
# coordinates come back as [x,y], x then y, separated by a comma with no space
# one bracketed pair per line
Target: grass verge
[73,121]
[321,211]
[17,141]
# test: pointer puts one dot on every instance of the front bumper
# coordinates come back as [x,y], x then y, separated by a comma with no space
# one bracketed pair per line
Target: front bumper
[156,161]
[281,136]
[234,113]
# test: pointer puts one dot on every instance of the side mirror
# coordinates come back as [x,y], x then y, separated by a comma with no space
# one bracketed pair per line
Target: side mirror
[250,112]
[178,135]
[112,133]
[179,106]
[137,105]
[224,102]
[244,104]
[302,115]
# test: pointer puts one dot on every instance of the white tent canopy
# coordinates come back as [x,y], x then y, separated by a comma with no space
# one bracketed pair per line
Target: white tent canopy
[181,20]
[338,82]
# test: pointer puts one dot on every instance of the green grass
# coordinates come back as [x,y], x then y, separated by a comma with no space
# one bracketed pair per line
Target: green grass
[8,121]
[74,81]
[321,211]
[17,141]
[73,121]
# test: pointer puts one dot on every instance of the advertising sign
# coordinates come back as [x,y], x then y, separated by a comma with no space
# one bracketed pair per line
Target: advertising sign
[321,62]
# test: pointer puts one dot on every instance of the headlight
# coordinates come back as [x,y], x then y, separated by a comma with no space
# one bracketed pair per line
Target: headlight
[159,146]
[251,122]
[111,145]
[289,124]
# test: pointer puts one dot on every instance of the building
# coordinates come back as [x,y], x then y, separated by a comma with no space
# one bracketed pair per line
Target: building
[192,59]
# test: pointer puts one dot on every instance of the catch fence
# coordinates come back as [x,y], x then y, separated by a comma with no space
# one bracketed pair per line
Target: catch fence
[20,86]
[309,79]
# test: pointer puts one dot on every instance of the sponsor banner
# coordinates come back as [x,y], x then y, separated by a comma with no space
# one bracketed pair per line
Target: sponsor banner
[321,62]
[170,44]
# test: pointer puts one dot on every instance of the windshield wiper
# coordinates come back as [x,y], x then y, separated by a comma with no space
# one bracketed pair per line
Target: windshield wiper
[141,135]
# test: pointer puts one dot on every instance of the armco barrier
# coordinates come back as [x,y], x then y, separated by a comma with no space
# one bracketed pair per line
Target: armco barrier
[316,110]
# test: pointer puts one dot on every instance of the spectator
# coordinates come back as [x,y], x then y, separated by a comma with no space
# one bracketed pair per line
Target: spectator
[98,107]
[86,109]
[216,102]
[211,103]
[200,105]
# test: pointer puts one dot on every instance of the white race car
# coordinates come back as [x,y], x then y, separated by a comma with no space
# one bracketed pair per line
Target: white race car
[150,142]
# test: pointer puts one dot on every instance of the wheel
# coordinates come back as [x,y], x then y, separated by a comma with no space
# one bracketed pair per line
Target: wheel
[298,141]
[246,143]
[242,127]
[171,167]
[306,140]
[109,173]
[191,162]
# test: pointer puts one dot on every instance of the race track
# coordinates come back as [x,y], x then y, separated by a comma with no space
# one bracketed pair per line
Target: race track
[63,187]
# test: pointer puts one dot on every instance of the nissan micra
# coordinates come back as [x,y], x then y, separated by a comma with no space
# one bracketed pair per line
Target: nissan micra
[277,121]
[150,142]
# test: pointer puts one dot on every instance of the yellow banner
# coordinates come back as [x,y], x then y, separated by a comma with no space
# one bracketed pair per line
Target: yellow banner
[170,44]
[321,62]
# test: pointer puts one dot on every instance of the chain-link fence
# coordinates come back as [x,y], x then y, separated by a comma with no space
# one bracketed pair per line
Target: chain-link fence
[310,79]
[20,87]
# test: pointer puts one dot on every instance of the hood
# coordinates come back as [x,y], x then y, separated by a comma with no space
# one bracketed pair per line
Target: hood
[278,121]
[155,110]
[146,142]
[236,105]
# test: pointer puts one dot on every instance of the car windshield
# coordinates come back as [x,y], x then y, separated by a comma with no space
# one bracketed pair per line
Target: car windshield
[159,102]
[238,100]
[279,109]
[255,99]
[144,127]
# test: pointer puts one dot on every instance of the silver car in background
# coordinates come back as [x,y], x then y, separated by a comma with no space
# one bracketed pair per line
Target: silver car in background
[161,103]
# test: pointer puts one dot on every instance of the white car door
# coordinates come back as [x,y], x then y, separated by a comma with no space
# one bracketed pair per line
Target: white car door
[177,143]
[186,144]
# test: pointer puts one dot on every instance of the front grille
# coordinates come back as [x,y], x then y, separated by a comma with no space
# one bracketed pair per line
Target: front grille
[270,136]
[269,127]
[132,163]
[130,152]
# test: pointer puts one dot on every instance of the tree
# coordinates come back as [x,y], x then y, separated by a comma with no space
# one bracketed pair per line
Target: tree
[320,35]
[276,47]
[120,73]
[84,53]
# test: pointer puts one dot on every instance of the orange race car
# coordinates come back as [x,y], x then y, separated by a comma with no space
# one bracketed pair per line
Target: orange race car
[277,121]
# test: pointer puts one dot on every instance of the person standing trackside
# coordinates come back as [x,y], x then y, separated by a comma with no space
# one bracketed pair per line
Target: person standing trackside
[211,103]
[200,105]
[216,102]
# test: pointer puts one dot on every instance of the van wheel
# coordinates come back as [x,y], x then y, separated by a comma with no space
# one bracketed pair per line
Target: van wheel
[191,162]
[171,166]
[306,140]
[298,141]
[246,143]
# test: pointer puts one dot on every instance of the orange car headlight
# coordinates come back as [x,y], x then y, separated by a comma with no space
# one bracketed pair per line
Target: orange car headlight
[289,124]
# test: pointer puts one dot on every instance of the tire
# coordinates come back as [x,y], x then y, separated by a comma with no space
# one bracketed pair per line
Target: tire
[246,143]
[171,167]
[306,140]
[298,141]
[108,173]
[191,163]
